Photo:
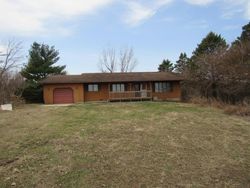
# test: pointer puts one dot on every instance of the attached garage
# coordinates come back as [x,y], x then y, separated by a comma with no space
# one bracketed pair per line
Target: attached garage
[63,96]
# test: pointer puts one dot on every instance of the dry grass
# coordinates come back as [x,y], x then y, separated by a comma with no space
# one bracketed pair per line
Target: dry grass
[238,109]
[123,145]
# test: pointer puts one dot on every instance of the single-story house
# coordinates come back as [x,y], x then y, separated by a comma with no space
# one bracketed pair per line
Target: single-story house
[111,87]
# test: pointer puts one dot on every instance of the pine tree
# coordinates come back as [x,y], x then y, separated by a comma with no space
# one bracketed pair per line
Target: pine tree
[166,66]
[204,63]
[40,64]
[182,64]
[244,37]
[209,45]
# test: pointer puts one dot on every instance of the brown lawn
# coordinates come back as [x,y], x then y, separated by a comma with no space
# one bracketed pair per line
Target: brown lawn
[144,144]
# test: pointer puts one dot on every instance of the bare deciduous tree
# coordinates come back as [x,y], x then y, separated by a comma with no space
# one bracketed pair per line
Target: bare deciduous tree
[110,63]
[108,60]
[10,60]
[127,60]
[11,56]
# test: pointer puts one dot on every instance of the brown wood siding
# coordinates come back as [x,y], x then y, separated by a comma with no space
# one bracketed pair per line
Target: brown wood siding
[174,94]
[48,92]
[101,95]
[82,95]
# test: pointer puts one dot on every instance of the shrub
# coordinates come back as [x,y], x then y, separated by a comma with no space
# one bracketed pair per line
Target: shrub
[241,109]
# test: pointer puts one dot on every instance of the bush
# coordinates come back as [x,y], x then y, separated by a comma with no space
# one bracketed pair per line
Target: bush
[241,109]
[33,94]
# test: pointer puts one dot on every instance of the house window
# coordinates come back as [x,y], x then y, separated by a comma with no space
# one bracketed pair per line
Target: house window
[161,87]
[117,87]
[93,87]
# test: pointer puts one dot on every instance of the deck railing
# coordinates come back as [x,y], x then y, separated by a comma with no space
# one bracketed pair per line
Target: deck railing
[130,95]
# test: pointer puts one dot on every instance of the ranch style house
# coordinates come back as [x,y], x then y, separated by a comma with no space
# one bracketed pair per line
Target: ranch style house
[62,89]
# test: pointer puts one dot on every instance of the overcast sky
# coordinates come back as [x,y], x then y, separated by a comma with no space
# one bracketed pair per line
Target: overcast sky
[156,29]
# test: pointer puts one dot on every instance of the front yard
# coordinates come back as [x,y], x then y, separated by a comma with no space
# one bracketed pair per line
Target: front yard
[143,144]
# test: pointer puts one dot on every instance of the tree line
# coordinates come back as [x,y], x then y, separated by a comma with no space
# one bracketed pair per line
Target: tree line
[216,70]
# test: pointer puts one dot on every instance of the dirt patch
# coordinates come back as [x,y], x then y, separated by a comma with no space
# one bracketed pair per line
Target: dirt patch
[4,162]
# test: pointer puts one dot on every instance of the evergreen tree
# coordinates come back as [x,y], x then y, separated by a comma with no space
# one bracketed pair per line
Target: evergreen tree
[166,66]
[204,63]
[209,45]
[40,64]
[182,64]
[245,36]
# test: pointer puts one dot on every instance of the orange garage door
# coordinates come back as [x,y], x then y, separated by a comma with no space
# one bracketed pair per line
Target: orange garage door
[63,96]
